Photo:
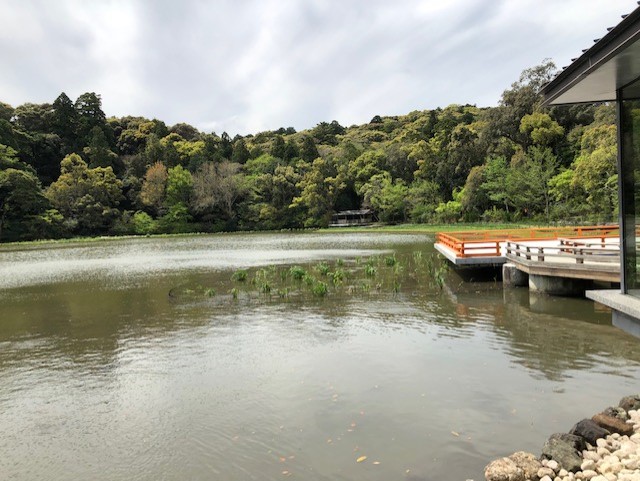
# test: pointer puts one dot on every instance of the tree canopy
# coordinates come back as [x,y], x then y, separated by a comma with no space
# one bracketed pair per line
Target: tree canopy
[68,169]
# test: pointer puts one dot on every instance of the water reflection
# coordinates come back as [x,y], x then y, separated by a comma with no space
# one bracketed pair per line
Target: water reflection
[107,376]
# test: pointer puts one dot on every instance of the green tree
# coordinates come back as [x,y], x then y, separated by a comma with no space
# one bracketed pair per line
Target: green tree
[64,121]
[240,152]
[541,128]
[87,198]
[89,114]
[308,149]
[98,152]
[319,188]
[179,186]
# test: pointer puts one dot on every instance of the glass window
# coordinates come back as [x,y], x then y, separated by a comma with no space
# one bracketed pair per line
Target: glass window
[629,112]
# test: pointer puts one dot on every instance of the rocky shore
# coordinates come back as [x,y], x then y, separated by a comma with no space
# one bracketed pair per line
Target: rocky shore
[603,448]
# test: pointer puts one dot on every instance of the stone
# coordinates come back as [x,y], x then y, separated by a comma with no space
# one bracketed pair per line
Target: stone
[577,442]
[588,473]
[589,430]
[603,452]
[587,464]
[613,424]
[527,462]
[616,412]
[545,478]
[562,451]
[599,478]
[542,472]
[563,473]
[553,464]
[630,403]
[591,455]
[503,469]
[601,443]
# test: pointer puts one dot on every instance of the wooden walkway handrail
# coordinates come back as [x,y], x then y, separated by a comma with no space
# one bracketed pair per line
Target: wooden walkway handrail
[578,253]
[486,243]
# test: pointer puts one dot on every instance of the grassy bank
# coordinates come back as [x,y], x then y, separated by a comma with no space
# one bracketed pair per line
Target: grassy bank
[427,228]
[399,228]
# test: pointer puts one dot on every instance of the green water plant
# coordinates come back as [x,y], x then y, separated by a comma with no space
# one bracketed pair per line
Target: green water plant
[369,270]
[240,275]
[297,273]
[323,268]
[319,289]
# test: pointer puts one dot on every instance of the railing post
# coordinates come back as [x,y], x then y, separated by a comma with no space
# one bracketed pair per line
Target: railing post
[581,259]
[541,254]
[528,253]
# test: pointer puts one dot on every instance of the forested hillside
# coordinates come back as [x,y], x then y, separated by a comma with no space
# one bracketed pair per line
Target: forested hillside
[66,169]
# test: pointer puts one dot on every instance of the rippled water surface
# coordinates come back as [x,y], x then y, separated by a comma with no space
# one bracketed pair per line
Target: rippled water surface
[132,360]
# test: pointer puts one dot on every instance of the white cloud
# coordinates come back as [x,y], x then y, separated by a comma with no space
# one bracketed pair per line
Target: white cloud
[245,66]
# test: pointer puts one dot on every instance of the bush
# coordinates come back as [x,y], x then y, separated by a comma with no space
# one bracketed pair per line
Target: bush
[143,223]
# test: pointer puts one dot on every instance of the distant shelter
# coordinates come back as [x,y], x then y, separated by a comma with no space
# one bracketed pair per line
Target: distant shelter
[348,218]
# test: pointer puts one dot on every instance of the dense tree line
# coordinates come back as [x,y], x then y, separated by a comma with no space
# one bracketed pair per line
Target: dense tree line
[66,169]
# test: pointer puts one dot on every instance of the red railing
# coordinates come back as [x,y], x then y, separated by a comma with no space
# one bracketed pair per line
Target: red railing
[486,243]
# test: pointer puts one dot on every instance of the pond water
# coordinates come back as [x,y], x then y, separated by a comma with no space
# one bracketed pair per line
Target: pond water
[141,359]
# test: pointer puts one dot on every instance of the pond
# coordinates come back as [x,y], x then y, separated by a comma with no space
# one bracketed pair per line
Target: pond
[142,359]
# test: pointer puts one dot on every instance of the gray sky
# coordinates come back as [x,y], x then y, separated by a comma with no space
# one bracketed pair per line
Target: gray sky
[249,65]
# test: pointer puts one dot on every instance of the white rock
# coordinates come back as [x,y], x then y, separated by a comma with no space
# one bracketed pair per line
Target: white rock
[604,467]
[615,436]
[599,478]
[578,475]
[591,455]
[557,478]
[545,462]
[546,472]
[635,437]
[588,464]
[611,459]
[553,464]
[601,443]
[563,473]
[631,463]
[603,451]
[545,478]
[611,477]
[588,474]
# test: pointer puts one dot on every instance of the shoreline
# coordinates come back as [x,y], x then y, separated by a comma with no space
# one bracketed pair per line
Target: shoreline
[603,448]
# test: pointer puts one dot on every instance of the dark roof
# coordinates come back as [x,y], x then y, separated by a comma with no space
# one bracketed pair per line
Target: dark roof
[611,63]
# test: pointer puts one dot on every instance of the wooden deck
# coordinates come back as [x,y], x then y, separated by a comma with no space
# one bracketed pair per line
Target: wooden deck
[585,252]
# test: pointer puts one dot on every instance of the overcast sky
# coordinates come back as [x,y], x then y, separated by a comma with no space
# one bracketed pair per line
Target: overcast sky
[243,66]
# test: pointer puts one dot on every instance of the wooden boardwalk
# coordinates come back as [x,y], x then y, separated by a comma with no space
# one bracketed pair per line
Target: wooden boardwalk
[586,252]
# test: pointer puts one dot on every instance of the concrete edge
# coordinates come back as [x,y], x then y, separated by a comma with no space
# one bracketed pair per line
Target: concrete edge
[616,300]
[469,261]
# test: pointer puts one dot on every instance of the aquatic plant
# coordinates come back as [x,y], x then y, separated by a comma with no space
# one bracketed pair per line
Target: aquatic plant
[297,272]
[283,293]
[210,292]
[390,261]
[323,268]
[319,289]
[369,270]
[340,262]
[239,276]
[338,277]
[234,293]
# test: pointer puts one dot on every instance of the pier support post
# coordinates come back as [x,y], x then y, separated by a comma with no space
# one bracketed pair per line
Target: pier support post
[513,277]
[558,286]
